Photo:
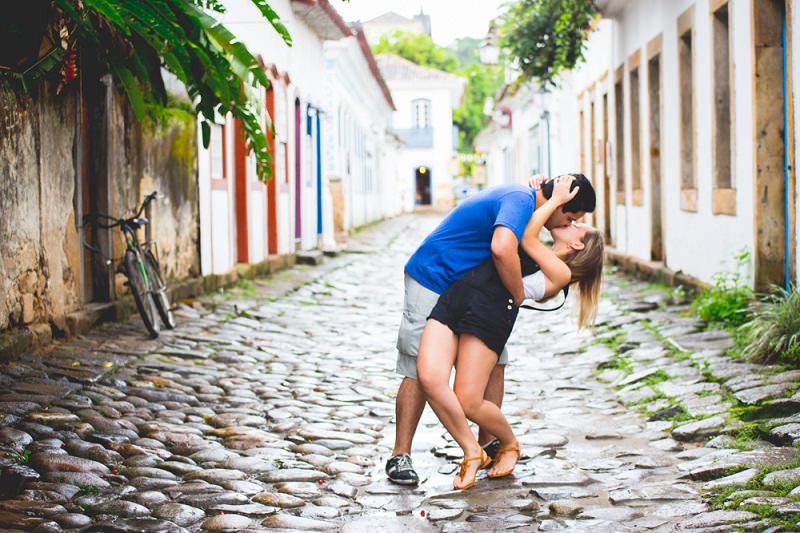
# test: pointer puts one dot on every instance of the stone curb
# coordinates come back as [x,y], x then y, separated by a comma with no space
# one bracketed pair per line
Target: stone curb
[14,342]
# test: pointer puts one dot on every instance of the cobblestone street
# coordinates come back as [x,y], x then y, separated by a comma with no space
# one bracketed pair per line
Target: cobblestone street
[271,408]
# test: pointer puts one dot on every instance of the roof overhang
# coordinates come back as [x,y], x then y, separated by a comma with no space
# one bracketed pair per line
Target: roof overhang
[610,8]
[322,17]
[373,66]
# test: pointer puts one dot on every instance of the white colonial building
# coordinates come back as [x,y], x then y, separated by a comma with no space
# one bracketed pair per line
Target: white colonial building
[424,99]
[361,151]
[332,154]
[684,116]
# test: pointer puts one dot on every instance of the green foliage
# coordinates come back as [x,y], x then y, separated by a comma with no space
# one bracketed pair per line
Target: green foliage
[726,303]
[612,340]
[417,48]
[482,80]
[618,362]
[659,376]
[773,332]
[547,37]
[89,489]
[466,50]
[134,40]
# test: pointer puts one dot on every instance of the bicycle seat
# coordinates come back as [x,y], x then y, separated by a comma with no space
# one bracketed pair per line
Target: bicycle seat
[139,221]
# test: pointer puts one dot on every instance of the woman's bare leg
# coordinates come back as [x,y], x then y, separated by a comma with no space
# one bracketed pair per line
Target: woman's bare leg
[474,364]
[437,353]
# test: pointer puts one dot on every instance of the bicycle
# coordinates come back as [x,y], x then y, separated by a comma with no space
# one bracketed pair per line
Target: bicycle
[140,265]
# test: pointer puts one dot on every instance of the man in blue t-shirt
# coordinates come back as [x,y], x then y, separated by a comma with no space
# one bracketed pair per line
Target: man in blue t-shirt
[489,224]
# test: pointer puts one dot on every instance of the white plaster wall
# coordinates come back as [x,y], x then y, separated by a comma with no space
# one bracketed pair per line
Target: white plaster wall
[217,221]
[258,226]
[304,62]
[204,196]
[492,144]
[221,232]
[594,79]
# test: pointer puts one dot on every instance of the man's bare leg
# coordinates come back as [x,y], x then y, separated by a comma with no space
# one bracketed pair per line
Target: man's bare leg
[409,404]
[494,393]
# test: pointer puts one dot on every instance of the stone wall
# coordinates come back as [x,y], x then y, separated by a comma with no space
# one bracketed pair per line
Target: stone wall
[170,167]
[40,245]
[39,269]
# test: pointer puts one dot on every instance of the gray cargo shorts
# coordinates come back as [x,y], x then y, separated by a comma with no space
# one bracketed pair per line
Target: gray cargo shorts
[417,306]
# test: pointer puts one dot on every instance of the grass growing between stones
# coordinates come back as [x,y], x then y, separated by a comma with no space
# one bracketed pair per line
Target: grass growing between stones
[729,498]
[618,362]
[612,340]
[653,379]
[642,404]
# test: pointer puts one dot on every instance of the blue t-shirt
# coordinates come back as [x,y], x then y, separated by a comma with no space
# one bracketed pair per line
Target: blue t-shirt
[464,238]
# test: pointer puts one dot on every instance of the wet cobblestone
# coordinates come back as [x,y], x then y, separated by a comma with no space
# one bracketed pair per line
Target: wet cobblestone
[270,408]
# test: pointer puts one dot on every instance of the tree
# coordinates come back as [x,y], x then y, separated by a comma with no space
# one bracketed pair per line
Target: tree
[133,40]
[482,83]
[547,37]
[482,80]
[466,50]
[417,48]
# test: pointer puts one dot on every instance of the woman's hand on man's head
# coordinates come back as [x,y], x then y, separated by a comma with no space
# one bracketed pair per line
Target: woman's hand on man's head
[561,189]
[536,181]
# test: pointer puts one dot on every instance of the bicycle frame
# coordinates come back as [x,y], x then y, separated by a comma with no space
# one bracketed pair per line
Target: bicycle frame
[131,242]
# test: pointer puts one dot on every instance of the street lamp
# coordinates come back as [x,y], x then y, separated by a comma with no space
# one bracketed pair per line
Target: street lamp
[488,51]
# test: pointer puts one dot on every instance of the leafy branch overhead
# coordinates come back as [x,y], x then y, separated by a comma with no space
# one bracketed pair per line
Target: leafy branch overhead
[134,40]
[547,37]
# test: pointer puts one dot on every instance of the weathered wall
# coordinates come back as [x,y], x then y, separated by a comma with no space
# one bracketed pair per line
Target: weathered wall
[40,249]
[39,261]
[170,167]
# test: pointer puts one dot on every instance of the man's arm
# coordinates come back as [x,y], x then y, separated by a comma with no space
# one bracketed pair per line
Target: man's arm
[506,260]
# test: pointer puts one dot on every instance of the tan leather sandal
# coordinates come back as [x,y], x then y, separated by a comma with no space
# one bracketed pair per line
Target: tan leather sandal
[483,458]
[501,451]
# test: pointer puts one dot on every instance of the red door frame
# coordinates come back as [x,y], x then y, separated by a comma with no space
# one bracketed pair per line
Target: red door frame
[272,192]
[241,193]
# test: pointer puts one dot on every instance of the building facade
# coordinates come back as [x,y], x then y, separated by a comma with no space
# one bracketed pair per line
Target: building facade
[390,22]
[424,99]
[362,176]
[683,115]
[244,220]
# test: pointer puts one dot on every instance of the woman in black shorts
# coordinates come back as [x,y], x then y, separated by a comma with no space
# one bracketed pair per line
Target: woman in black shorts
[471,322]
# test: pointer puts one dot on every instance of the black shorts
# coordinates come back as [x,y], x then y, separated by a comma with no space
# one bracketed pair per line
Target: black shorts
[490,316]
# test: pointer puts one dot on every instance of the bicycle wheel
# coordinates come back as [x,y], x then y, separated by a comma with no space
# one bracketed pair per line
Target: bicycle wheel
[141,295]
[159,291]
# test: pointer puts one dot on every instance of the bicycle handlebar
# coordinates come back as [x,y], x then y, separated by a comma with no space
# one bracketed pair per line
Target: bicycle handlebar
[119,221]
[147,199]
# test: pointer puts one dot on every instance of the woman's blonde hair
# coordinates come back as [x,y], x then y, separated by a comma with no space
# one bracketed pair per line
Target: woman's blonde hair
[587,271]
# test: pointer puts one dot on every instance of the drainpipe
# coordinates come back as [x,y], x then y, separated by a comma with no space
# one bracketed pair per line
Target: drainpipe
[319,177]
[786,141]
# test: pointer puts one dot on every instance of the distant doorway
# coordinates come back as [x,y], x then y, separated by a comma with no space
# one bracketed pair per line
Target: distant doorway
[423,178]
